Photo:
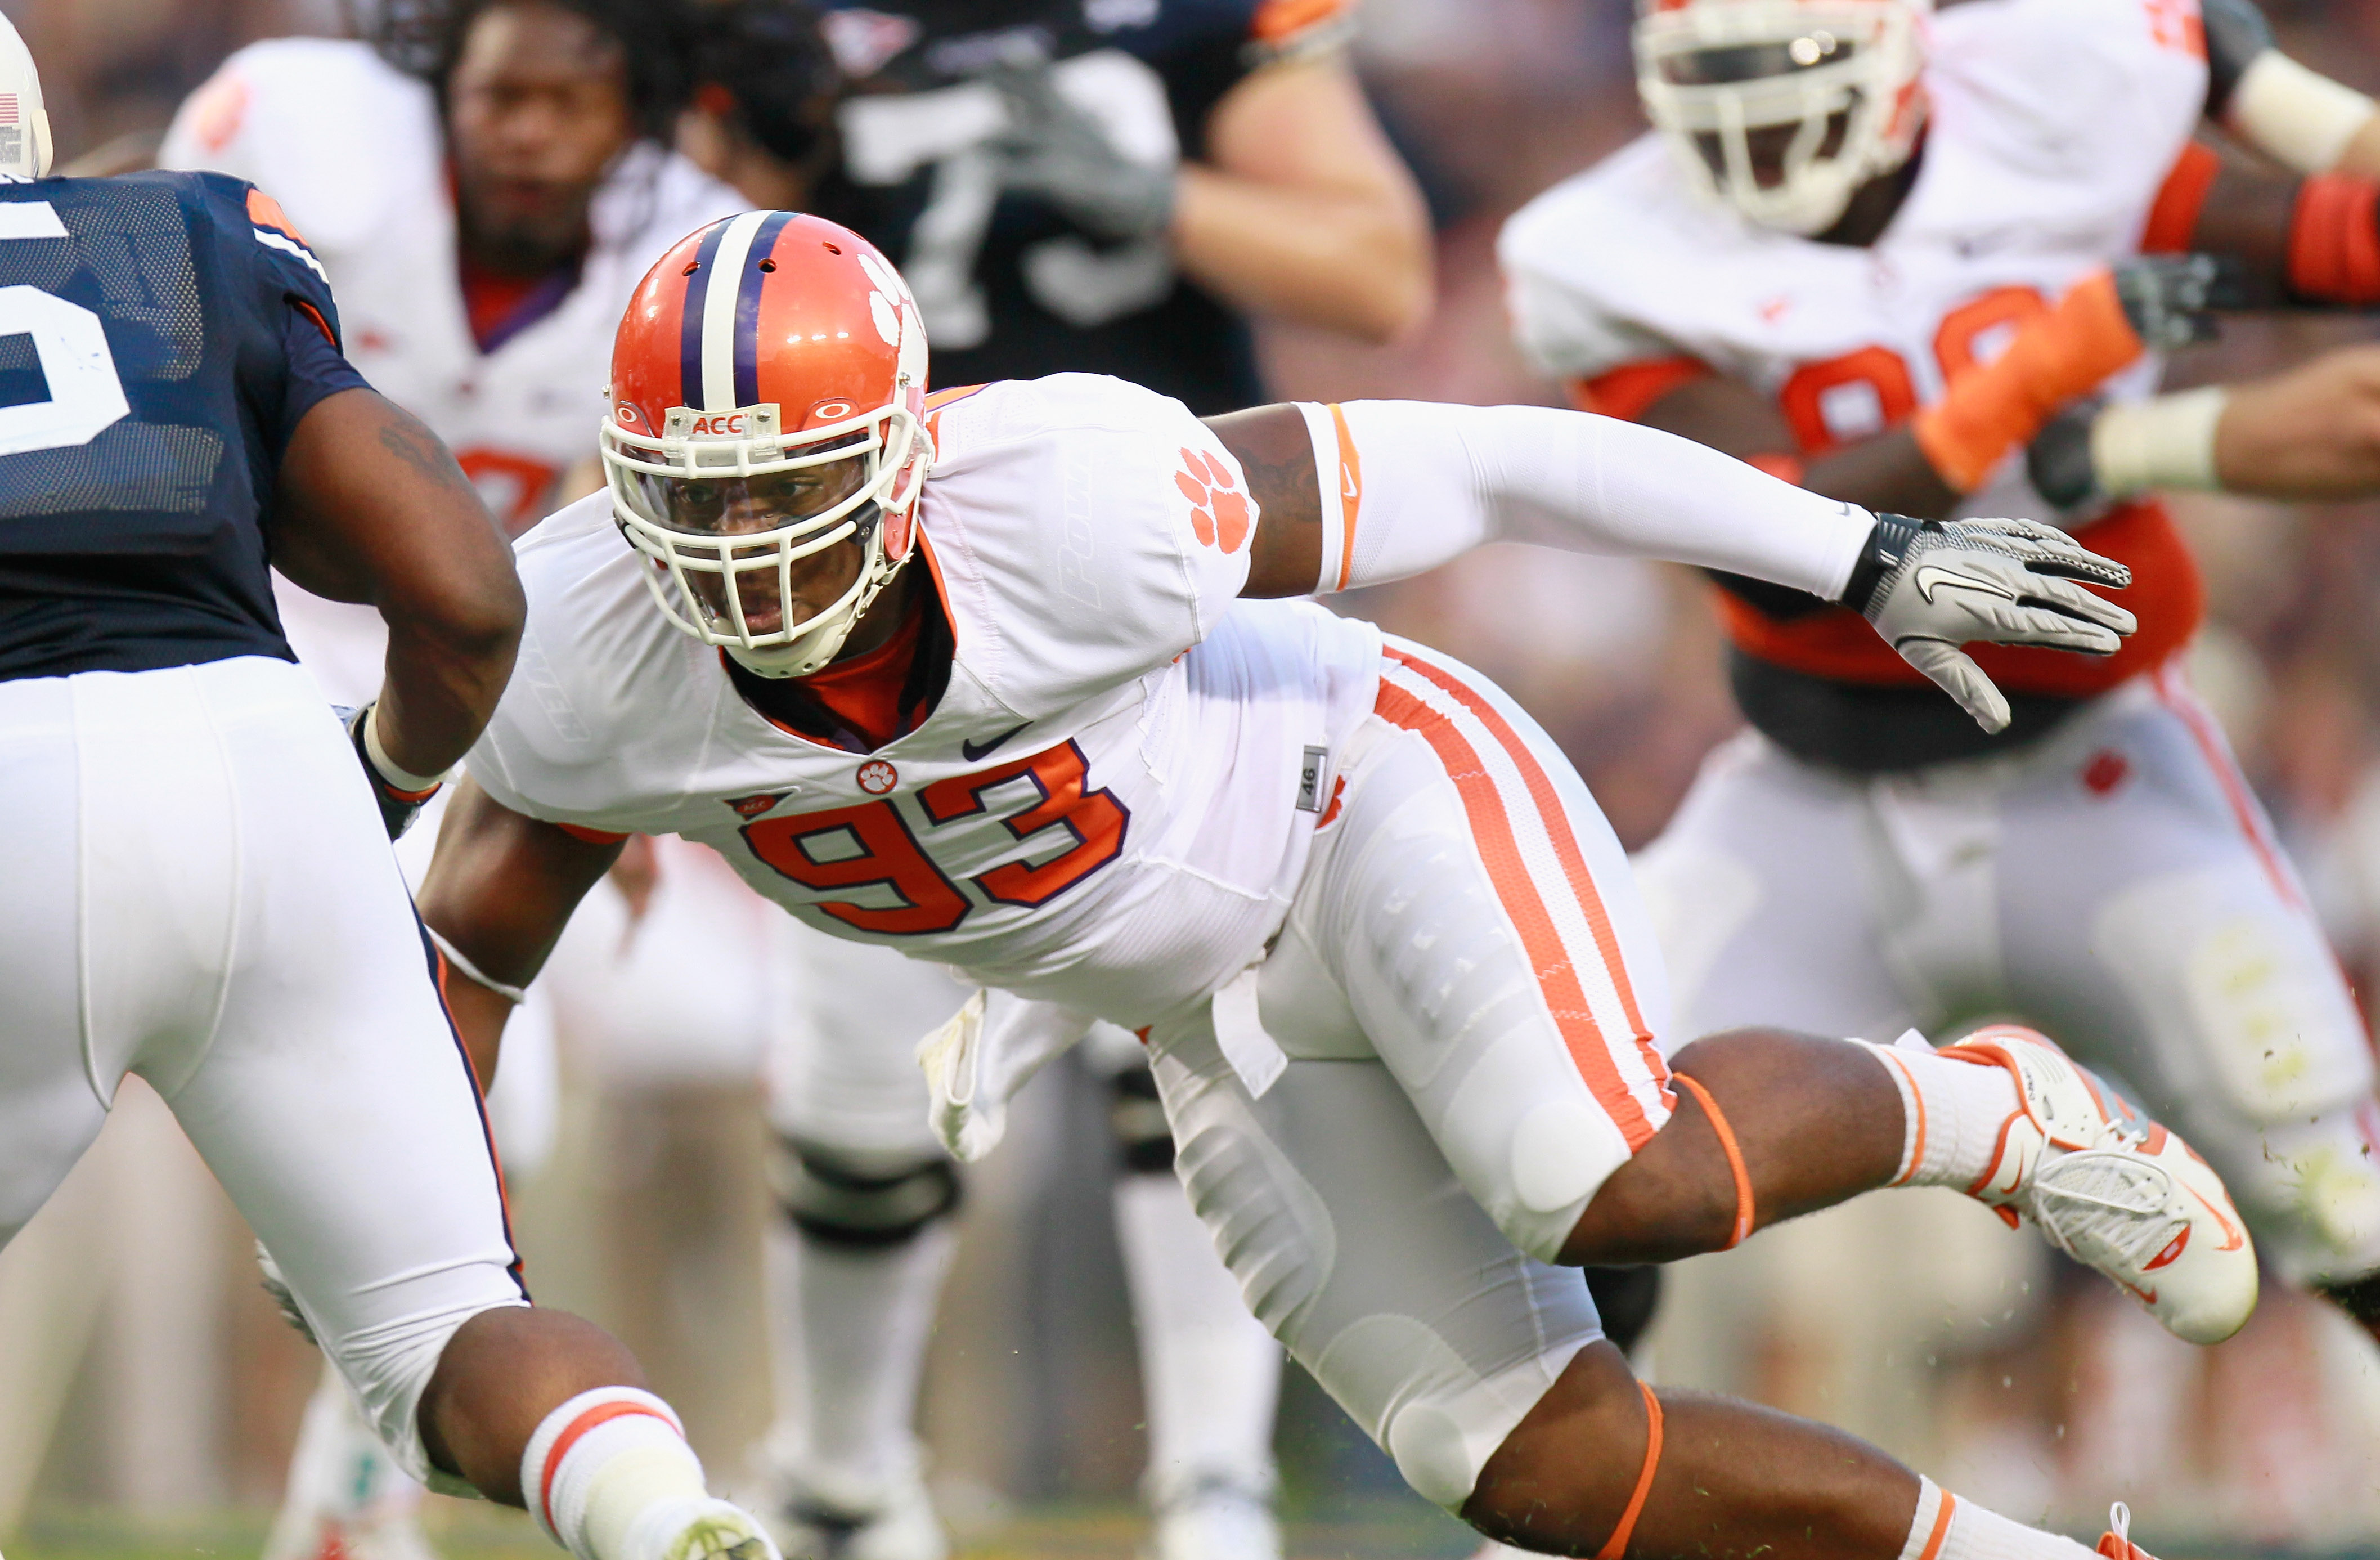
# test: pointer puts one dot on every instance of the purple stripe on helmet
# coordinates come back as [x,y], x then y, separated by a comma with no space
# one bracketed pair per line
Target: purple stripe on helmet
[690,337]
[747,309]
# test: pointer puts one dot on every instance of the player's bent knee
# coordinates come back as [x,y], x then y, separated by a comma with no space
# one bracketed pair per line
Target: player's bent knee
[1137,1117]
[1562,1480]
[859,1201]
[390,1369]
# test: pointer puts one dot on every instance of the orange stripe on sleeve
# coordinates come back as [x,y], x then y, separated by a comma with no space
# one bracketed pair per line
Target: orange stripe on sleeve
[592,836]
[1351,492]
[2174,218]
[1629,391]
[1942,1527]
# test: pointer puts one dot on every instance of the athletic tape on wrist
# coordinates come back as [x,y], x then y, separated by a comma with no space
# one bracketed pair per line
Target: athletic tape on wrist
[2057,356]
[403,781]
[1615,1545]
[1745,1215]
[2335,240]
[2301,119]
[454,956]
[2165,443]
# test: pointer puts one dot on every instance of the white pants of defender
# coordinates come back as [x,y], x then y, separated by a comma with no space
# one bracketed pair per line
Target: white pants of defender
[2116,885]
[198,890]
[1471,1006]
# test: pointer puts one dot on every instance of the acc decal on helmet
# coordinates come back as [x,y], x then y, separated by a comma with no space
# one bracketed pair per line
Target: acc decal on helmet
[767,384]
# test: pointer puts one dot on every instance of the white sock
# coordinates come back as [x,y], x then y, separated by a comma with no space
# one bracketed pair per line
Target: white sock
[851,1326]
[1973,1533]
[1209,1371]
[1952,1111]
[600,1461]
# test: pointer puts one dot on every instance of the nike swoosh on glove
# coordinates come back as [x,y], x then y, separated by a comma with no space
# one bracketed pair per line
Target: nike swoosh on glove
[1931,586]
[1055,149]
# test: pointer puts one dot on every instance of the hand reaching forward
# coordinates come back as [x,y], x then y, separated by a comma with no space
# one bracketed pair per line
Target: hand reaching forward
[1932,586]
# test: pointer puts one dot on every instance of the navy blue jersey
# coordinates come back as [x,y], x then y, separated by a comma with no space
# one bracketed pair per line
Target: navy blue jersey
[1008,288]
[161,334]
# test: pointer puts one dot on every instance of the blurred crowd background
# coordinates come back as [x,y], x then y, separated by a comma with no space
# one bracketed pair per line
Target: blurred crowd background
[142,1371]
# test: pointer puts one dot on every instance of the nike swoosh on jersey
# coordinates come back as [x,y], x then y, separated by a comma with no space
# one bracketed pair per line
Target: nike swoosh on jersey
[975,752]
[1933,577]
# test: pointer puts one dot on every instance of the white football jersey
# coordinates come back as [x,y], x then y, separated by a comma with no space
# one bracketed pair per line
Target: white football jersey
[2054,123]
[353,151]
[1109,806]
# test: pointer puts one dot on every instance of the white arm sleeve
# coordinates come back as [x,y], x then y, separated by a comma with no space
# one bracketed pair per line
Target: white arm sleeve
[1417,484]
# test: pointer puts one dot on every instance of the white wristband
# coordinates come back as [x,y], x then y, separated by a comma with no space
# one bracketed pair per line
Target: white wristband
[401,778]
[2295,115]
[513,994]
[2165,443]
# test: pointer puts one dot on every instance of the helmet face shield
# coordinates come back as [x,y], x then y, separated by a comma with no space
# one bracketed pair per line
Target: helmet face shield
[768,545]
[1783,108]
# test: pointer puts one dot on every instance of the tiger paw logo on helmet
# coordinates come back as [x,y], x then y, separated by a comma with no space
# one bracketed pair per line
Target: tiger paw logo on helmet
[1219,511]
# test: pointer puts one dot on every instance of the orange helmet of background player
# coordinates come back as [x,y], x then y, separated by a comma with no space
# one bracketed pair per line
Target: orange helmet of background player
[768,386]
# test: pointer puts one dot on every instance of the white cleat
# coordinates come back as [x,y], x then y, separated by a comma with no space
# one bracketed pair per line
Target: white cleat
[2115,1190]
[1216,1521]
[701,1528]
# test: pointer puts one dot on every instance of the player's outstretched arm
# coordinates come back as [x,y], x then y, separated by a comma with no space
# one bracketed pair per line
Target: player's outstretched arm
[1413,484]
[497,895]
[370,507]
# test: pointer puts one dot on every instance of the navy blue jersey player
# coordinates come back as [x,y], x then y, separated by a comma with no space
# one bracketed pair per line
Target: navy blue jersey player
[195,885]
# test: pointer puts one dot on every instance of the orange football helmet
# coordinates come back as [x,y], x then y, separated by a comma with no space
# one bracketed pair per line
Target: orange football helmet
[768,391]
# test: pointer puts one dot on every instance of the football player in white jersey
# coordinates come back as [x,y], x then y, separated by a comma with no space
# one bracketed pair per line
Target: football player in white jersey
[483,211]
[1159,169]
[973,678]
[1868,248]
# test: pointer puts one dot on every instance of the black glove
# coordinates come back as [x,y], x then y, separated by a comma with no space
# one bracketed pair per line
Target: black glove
[398,806]
[1056,151]
[2169,298]
[2060,461]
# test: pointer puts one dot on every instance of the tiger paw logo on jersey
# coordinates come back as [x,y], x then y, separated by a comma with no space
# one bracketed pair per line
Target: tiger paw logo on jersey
[1219,511]
[876,777]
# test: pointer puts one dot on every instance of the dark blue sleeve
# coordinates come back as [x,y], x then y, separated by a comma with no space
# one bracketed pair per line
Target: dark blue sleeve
[316,371]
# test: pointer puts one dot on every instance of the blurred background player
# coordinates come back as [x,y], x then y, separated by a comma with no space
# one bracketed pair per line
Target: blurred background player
[484,181]
[1866,248]
[201,892]
[1108,187]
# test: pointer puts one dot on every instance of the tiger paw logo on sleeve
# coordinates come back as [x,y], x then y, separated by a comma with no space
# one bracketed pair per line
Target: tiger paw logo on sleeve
[1220,512]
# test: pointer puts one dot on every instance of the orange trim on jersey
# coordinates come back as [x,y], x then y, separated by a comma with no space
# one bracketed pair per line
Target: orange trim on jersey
[1350,493]
[320,323]
[2168,595]
[1629,391]
[590,837]
[2335,240]
[265,211]
[1746,1211]
[1499,850]
[1616,1546]
[1279,20]
[600,1414]
[2174,218]
[2174,695]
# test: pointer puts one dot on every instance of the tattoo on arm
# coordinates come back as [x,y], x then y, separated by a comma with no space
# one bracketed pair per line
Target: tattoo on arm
[404,437]
[1277,455]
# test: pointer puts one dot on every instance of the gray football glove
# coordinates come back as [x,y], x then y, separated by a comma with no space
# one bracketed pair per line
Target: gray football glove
[1932,586]
[1054,150]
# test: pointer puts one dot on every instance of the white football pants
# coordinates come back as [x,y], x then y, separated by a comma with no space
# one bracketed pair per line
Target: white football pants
[1472,1007]
[2115,884]
[198,891]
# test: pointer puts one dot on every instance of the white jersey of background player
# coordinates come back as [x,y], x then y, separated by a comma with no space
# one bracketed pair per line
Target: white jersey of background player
[2105,869]
[355,149]
[1406,1015]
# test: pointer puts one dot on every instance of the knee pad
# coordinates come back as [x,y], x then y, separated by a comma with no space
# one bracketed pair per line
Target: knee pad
[845,1200]
[1626,1298]
[1138,1118]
